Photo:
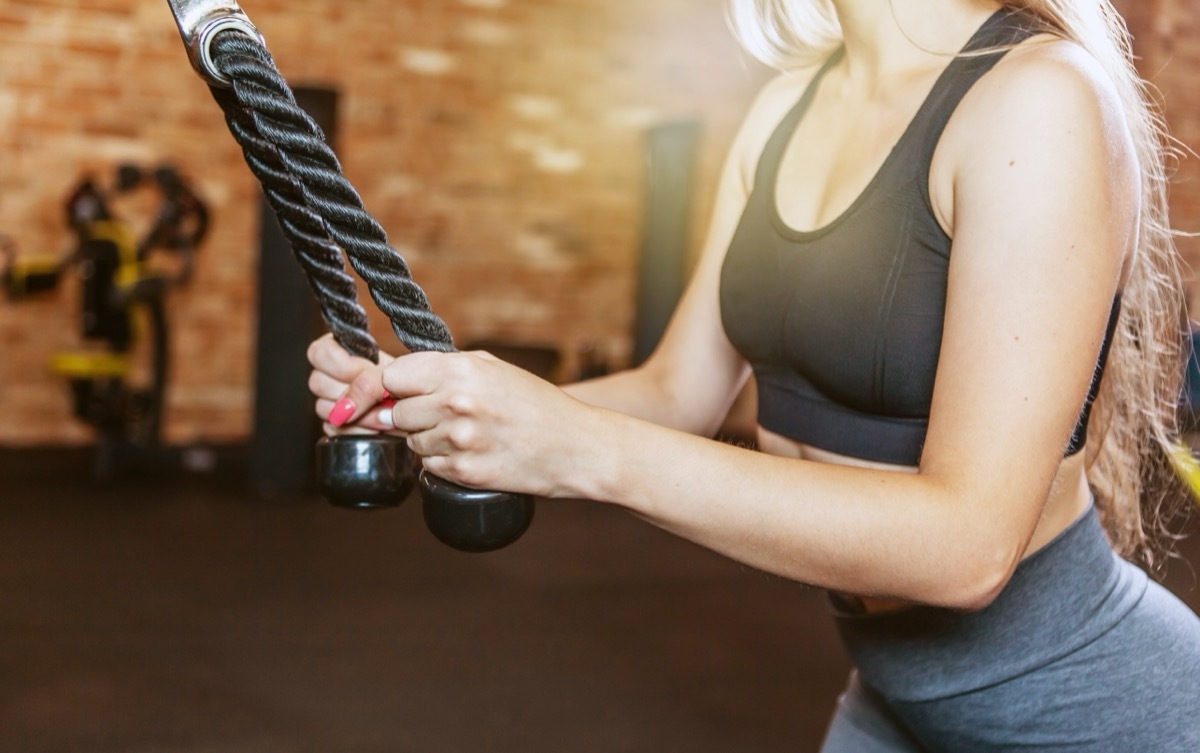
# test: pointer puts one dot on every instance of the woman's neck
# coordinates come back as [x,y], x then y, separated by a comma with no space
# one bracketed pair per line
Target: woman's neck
[888,38]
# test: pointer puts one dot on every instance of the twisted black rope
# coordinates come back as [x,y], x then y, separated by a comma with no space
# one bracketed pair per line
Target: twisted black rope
[319,211]
[319,256]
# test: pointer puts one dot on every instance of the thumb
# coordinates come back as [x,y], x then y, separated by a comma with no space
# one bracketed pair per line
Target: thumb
[363,393]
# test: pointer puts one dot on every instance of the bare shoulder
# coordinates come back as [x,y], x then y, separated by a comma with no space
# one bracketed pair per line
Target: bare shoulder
[1047,82]
[1047,111]
[773,102]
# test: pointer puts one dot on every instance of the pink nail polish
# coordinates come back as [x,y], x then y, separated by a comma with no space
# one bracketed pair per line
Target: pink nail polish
[342,412]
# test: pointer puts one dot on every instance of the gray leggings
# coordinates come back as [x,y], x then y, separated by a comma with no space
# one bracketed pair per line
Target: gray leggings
[1081,652]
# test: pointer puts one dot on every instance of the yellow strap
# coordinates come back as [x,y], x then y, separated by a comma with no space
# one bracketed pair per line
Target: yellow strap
[1188,468]
[128,270]
[26,267]
[84,365]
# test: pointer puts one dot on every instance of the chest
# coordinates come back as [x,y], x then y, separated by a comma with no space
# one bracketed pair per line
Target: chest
[855,309]
[837,150]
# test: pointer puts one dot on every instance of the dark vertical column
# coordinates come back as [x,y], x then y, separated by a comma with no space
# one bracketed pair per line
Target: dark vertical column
[667,217]
[285,427]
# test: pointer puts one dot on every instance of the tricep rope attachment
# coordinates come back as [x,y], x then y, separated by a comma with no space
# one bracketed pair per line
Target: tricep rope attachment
[319,211]
[323,217]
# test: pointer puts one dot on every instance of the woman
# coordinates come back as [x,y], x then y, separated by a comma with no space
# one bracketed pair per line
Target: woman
[937,229]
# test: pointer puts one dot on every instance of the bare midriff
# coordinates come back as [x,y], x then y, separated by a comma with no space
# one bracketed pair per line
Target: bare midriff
[1068,499]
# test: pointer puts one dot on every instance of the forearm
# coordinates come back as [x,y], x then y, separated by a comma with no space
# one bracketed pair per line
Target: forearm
[902,535]
[630,392]
[642,394]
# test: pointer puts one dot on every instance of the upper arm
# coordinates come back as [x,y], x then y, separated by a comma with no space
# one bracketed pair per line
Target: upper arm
[1045,208]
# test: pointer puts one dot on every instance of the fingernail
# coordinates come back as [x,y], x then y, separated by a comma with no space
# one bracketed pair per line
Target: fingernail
[342,412]
[385,418]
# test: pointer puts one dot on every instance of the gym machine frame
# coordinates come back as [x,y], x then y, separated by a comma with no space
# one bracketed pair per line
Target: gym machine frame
[122,303]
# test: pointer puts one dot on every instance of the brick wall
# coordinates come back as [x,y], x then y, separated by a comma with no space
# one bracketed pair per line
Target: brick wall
[499,141]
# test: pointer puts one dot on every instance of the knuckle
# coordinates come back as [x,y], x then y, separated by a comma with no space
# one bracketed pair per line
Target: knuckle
[365,381]
[454,468]
[415,444]
[462,404]
[326,345]
[462,436]
[466,471]
[389,378]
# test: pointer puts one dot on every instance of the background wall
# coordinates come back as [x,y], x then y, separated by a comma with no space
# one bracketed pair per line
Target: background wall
[499,141]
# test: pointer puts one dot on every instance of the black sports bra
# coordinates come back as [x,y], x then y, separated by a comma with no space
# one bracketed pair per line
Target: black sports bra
[842,325]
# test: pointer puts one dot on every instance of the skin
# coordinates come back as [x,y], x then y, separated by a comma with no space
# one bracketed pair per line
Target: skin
[1035,181]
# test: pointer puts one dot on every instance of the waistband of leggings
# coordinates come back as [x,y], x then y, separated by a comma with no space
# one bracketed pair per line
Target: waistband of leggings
[1060,598]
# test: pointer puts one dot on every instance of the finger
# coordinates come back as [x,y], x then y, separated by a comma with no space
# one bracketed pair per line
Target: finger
[426,445]
[325,354]
[325,387]
[417,373]
[353,407]
[438,465]
[415,414]
[445,468]
[364,391]
[377,420]
[333,364]
[484,355]
[322,353]
[335,431]
[361,397]
[323,407]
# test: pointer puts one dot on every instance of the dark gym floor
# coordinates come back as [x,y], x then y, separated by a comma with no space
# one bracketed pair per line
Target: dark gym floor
[185,615]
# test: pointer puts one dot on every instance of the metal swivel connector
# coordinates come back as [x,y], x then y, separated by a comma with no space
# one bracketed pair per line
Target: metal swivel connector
[199,22]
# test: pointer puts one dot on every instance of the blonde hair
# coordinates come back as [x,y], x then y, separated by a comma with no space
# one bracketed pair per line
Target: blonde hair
[1133,428]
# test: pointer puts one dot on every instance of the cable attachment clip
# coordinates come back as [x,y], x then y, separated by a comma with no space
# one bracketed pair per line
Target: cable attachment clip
[199,22]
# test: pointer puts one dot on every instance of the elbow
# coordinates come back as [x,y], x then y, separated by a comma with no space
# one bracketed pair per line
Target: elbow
[981,546]
[979,595]
[981,579]
[990,546]
[678,405]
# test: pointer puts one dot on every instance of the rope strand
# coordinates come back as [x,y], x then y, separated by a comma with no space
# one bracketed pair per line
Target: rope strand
[319,210]
[319,256]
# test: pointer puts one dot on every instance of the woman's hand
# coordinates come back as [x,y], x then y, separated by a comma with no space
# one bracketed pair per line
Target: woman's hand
[480,422]
[348,388]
